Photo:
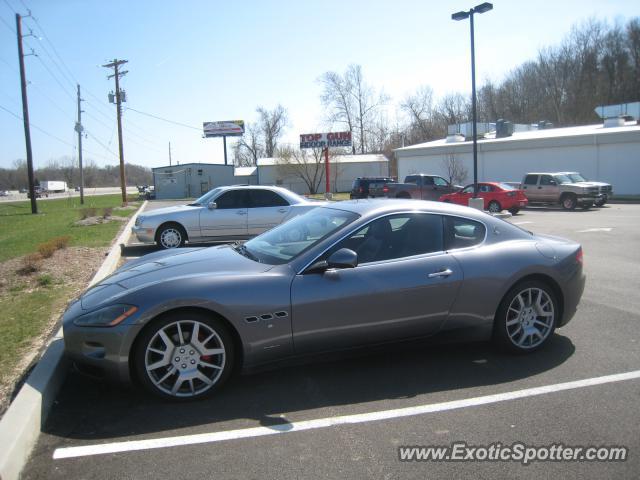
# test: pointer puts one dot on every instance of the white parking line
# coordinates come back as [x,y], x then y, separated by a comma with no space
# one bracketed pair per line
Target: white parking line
[136,445]
[604,229]
[521,223]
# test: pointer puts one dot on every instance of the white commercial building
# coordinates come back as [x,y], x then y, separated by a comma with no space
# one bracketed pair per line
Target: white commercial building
[603,153]
[343,169]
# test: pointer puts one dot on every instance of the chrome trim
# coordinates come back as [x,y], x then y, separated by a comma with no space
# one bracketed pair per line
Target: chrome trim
[486,233]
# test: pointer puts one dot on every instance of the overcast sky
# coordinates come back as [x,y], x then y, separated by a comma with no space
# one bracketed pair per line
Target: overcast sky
[195,61]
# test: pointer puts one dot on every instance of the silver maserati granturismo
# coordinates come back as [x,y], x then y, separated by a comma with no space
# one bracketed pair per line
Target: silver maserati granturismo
[341,276]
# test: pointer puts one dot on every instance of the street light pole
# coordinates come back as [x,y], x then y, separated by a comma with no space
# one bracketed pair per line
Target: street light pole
[482,8]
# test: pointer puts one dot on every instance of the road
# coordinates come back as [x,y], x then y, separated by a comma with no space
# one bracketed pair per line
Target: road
[14,196]
[290,423]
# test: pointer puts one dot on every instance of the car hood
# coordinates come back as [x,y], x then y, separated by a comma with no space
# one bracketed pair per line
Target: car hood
[168,265]
[169,210]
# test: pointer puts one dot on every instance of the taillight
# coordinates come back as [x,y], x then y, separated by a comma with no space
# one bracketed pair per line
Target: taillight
[579,256]
[385,189]
[359,189]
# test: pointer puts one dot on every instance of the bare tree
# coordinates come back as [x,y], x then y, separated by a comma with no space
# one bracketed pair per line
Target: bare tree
[272,124]
[249,147]
[456,171]
[306,165]
[352,104]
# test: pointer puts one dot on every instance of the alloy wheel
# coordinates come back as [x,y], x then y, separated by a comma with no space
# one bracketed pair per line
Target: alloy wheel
[530,318]
[170,238]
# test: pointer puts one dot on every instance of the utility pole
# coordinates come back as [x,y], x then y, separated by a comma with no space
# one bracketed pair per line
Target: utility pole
[169,153]
[118,99]
[79,129]
[25,116]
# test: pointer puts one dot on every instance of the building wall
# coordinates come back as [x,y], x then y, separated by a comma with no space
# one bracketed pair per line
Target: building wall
[615,163]
[190,180]
[341,176]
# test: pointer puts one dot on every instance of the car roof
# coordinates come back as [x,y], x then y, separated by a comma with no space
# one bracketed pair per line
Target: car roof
[288,194]
[377,206]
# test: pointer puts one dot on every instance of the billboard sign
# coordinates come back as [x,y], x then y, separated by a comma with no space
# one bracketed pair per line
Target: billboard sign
[227,128]
[324,140]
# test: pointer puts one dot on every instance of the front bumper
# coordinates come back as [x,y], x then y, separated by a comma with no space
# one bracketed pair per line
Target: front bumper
[144,234]
[586,199]
[99,351]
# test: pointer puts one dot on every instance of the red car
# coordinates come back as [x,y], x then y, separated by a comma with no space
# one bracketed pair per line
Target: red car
[497,197]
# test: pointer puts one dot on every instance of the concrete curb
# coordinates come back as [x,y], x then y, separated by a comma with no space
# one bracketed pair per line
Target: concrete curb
[21,424]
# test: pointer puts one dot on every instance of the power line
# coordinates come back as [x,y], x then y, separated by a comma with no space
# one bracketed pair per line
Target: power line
[54,77]
[10,7]
[95,139]
[8,25]
[164,119]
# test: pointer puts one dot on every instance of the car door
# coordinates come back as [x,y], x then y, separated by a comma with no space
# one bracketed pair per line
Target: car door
[462,197]
[549,189]
[229,218]
[403,288]
[266,210]
[442,186]
[530,187]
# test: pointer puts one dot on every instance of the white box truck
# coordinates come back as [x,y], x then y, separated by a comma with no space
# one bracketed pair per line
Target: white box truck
[53,186]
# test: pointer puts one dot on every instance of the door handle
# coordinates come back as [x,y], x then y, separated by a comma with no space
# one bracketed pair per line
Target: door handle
[441,273]
[241,212]
[539,188]
[282,210]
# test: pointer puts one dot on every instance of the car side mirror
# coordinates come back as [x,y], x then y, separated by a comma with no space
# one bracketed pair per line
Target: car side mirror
[552,182]
[212,205]
[343,258]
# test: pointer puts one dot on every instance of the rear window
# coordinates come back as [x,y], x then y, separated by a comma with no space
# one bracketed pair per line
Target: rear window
[531,180]
[504,186]
[463,232]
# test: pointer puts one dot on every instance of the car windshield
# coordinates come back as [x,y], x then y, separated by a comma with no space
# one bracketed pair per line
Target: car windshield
[206,198]
[576,177]
[288,240]
[562,179]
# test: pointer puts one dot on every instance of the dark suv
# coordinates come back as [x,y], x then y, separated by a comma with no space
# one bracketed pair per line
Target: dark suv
[366,187]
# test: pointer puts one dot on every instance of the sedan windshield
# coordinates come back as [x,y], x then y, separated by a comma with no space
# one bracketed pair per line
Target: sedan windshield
[290,239]
[576,177]
[206,198]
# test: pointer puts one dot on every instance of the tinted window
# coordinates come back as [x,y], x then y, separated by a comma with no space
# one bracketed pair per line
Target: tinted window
[545,180]
[462,232]
[266,198]
[412,179]
[468,189]
[531,180]
[485,188]
[395,236]
[232,199]
[441,182]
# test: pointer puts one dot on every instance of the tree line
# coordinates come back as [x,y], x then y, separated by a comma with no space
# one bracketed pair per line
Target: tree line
[66,169]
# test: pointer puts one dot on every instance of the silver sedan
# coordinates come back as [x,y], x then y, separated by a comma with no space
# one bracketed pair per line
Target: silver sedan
[224,213]
[341,276]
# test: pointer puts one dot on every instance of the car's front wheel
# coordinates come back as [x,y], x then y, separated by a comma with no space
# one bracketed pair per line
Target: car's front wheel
[495,207]
[171,235]
[185,355]
[526,317]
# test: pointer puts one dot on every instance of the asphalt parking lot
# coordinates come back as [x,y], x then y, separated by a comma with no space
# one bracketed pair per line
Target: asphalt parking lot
[346,418]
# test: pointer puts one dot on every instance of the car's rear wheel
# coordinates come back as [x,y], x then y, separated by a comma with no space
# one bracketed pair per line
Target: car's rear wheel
[526,317]
[514,211]
[494,207]
[403,195]
[171,235]
[569,202]
[184,356]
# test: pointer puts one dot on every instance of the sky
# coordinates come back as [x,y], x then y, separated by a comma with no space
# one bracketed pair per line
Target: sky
[194,61]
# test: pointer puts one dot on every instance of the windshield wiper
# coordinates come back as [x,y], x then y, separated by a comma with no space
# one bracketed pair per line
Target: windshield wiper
[242,250]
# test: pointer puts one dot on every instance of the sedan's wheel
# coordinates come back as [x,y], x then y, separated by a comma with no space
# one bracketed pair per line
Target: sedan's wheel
[514,211]
[494,207]
[526,317]
[184,356]
[171,236]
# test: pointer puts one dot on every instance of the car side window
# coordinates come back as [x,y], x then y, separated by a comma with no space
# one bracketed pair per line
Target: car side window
[486,188]
[547,180]
[427,180]
[462,232]
[266,198]
[441,182]
[232,199]
[531,180]
[395,236]
[468,189]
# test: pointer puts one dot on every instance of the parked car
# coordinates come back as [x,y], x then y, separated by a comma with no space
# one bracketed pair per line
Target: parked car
[558,189]
[224,213]
[497,197]
[341,276]
[421,187]
[23,190]
[365,187]
[605,190]
[4,193]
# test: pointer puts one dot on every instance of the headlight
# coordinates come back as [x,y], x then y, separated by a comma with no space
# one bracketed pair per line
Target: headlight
[106,317]
[139,220]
